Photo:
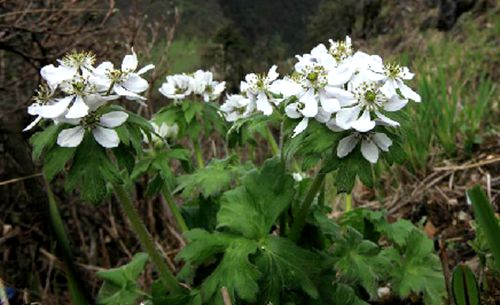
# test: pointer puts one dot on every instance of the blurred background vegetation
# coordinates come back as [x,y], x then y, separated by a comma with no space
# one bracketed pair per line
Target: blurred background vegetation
[451,45]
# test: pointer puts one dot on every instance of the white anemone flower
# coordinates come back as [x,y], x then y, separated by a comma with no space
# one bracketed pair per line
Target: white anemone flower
[260,89]
[394,82]
[80,93]
[204,85]
[362,106]
[162,132]
[124,81]
[177,86]
[237,107]
[341,50]
[371,143]
[101,127]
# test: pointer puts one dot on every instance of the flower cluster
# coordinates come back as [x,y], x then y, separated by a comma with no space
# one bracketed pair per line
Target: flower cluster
[258,93]
[200,83]
[76,93]
[336,86]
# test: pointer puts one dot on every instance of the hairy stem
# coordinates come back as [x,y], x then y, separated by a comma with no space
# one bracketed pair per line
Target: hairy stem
[272,142]
[79,295]
[300,218]
[174,208]
[198,154]
[145,239]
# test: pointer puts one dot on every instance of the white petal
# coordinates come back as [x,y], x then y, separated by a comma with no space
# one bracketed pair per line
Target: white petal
[291,111]
[128,94]
[113,119]
[78,110]
[323,116]
[55,110]
[300,127]
[340,75]
[389,88]
[382,141]
[106,137]
[409,93]
[263,104]
[369,150]
[129,62]
[286,87]
[272,74]
[329,104]
[344,97]
[71,137]
[103,68]
[395,103]
[135,83]
[386,120]
[346,145]
[55,75]
[33,124]
[364,123]
[310,104]
[346,116]
[332,125]
[145,69]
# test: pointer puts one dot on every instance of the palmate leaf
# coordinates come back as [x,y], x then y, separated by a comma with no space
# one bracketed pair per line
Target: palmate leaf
[242,249]
[235,272]
[253,208]
[55,160]
[373,223]
[44,140]
[91,170]
[417,270]
[285,266]
[211,179]
[359,261]
[120,284]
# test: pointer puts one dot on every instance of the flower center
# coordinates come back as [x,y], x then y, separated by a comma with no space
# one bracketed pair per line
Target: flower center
[42,95]
[392,70]
[117,76]
[79,59]
[340,50]
[316,77]
[369,95]
[90,121]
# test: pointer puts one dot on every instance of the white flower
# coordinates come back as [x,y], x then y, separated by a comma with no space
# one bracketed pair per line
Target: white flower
[362,106]
[237,107]
[177,86]
[80,95]
[124,81]
[298,176]
[54,76]
[370,145]
[395,77]
[213,91]
[162,132]
[100,126]
[341,50]
[259,89]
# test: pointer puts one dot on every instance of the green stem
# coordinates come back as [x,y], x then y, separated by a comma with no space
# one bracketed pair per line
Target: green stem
[348,202]
[272,142]
[79,295]
[174,208]
[300,219]
[197,152]
[145,239]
